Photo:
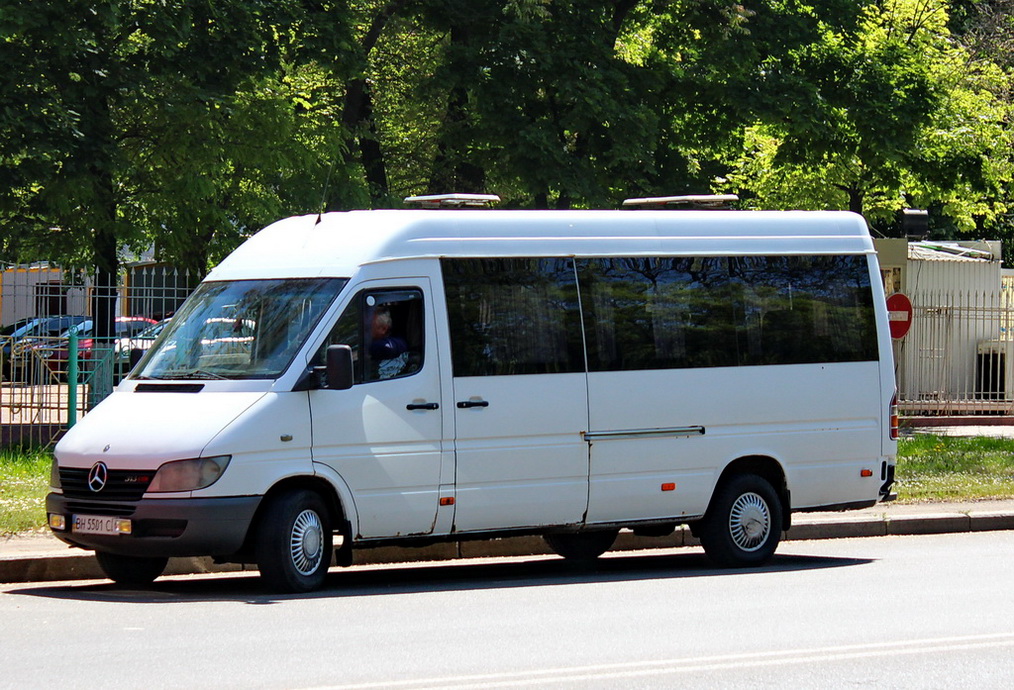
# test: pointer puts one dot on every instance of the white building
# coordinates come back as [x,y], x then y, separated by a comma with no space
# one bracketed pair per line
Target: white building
[956,356]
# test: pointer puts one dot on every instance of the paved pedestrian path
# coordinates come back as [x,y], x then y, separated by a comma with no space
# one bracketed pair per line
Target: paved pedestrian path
[41,557]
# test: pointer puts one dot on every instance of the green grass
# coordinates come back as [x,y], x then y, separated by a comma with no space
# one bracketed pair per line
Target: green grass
[930,468]
[24,483]
[941,468]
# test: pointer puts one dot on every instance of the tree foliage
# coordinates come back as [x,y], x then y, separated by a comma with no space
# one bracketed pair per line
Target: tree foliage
[897,114]
[171,121]
[188,124]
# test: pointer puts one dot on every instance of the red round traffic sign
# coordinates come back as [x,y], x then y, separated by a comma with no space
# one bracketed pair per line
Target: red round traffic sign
[899,314]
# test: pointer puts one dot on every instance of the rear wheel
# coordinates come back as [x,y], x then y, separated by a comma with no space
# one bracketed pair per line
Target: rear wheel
[581,546]
[131,570]
[294,542]
[744,522]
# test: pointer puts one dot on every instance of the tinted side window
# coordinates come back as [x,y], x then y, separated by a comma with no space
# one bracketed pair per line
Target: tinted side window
[805,309]
[513,316]
[384,328]
[662,313]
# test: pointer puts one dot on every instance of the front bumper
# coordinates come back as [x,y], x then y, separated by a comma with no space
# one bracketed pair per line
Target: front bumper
[163,527]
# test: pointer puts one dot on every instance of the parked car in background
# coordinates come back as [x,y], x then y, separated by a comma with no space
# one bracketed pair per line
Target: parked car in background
[124,348]
[56,353]
[10,328]
[19,338]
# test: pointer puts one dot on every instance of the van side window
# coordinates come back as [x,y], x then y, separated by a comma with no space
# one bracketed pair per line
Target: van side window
[384,328]
[513,316]
[680,312]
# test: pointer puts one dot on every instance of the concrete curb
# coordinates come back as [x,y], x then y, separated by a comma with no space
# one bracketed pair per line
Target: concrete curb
[55,563]
[901,525]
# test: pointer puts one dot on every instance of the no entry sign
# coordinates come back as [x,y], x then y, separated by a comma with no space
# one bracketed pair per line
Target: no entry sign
[899,314]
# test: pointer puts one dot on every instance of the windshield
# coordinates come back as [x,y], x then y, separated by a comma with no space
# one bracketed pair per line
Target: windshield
[245,329]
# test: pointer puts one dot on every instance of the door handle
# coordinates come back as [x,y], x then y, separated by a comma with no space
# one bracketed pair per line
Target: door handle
[465,404]
[422,406]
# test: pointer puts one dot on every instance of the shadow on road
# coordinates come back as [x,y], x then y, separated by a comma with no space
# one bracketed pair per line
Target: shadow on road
[368,581]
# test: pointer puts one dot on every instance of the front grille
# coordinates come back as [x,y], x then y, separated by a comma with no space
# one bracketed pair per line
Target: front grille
[121,485]
[93,508]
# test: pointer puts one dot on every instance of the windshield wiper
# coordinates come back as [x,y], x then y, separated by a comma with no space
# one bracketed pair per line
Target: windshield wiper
[191,374]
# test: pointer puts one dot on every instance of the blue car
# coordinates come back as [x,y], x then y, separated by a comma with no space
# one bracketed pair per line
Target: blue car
[14,337]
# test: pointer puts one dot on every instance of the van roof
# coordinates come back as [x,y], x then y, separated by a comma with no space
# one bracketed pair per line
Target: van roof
[338,243]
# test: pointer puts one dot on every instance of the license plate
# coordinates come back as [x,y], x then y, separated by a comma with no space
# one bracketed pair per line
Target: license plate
[96,524]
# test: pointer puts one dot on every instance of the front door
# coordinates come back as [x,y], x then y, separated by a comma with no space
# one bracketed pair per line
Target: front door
[384,435]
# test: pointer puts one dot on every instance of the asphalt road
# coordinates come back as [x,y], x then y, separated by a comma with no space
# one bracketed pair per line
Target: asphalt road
[888,612]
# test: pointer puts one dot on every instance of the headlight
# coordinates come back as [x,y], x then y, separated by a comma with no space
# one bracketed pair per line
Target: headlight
[54,476]
[188,475]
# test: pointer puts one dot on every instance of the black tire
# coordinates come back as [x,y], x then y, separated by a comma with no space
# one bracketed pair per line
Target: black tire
[744,522]
[581,546]
[294,543]
[131,570]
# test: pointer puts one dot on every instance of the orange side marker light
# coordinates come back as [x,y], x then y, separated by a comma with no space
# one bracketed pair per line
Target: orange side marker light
[669,486]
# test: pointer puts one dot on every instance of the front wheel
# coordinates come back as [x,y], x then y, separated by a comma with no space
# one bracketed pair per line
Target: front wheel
[131,570]
[743,525]
[581,546]
[294,542]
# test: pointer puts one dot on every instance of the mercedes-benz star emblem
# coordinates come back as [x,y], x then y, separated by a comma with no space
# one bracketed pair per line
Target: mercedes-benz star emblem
[97,476]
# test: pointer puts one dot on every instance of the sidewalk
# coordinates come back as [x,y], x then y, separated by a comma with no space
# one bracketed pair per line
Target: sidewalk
[42,558]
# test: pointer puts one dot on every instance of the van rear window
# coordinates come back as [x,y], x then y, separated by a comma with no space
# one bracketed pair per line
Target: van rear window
[673,313]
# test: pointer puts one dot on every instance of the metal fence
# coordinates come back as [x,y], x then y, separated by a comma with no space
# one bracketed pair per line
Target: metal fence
[958,357]
[54,370]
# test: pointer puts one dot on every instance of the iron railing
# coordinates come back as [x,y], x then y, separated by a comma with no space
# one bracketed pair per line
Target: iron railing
[958,357]
[52,378]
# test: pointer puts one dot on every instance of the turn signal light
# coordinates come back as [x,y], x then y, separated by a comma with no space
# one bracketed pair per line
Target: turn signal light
[669,486]
[866,473]
[447,501]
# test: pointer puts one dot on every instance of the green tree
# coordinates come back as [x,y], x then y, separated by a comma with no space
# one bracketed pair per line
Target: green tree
[895,114]
[206,174]
[560,103]
[187,124]
[121,122]
[577,102]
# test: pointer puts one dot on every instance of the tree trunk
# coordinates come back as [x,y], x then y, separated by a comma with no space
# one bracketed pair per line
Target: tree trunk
[106,280]
[857,200]
[104,236]
[452,170]
[371,155]
[357,114]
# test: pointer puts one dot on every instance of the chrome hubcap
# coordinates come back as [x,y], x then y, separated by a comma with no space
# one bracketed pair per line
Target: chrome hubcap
[749,521]
[306,543]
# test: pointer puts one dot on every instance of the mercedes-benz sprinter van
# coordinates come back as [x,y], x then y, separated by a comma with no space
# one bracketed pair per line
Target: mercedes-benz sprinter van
[371,378]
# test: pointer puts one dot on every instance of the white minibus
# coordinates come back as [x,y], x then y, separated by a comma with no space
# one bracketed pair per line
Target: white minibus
[403,377]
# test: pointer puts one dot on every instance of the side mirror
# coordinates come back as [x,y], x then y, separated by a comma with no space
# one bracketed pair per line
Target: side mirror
[339,374]
[136,354]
